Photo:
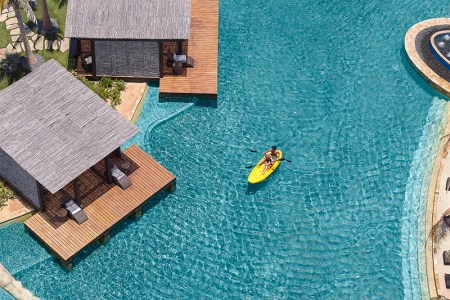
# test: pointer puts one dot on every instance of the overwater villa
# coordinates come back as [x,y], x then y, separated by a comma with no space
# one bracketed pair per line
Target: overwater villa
[60,150]
[173,41]
[139,39]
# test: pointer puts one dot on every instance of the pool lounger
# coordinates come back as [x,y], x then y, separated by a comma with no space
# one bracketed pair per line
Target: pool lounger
[186,60]
[447,281]
[120,178]
[73,209]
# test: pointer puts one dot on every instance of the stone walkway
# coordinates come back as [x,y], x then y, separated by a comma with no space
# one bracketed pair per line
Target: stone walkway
[131,97]
[14,287]
[14,209]
[417,41]
[439,200]
[37,41]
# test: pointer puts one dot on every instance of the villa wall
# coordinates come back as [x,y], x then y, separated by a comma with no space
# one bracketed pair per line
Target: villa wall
[19,179]
[127,58]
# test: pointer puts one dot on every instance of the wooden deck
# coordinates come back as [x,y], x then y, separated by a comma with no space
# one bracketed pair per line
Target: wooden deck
[105,205]
[203,47]
[85,51]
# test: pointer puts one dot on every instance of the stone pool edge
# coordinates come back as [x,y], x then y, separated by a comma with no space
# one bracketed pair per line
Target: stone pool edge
[436,81]
[14,287]
[442,86]
[433,194]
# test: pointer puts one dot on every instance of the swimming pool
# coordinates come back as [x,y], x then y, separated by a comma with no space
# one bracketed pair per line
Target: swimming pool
[329,83]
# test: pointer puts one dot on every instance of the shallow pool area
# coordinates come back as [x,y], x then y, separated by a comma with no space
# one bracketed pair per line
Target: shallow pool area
[329,84]
[5,296]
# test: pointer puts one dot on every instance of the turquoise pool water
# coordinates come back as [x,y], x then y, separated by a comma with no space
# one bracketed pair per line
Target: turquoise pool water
[329,83]
[5,296]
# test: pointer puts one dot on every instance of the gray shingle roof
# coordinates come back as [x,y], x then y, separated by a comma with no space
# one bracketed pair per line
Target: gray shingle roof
[56,128]
[128,19]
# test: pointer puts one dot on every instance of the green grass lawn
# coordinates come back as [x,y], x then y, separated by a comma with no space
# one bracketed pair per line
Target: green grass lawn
[62,58]
[5,39]
[3,83]
[57,10]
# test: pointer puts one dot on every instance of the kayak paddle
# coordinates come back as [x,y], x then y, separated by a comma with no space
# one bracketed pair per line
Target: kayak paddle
[281,159]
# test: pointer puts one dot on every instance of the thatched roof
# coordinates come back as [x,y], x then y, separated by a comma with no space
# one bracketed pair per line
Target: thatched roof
[125,19]
[56,128]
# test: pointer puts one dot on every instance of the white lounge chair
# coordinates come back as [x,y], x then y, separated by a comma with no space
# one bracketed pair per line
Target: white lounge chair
[120,178]
[73,209]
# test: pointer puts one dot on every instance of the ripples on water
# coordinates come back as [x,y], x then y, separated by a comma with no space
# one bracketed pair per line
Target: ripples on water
[326,81]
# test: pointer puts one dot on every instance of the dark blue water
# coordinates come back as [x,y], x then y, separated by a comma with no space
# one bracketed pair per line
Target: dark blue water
[328,82]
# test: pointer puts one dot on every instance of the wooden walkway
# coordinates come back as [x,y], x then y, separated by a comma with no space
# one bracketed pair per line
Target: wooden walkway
[105,205]
[203,47]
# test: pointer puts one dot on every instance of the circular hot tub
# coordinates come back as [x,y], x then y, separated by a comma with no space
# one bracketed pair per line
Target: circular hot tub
[440,46]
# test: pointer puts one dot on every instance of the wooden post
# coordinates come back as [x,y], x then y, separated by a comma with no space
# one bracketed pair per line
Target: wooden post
[76,188]
[94,67]
[180,47]
[40,191]
[108,166]
[118,153]
[66,264]
[172,186]
[137,213]
[104,238]
[161,60]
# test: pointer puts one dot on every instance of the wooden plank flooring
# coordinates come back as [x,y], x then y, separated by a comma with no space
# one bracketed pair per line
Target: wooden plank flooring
[105,204]
[203,47]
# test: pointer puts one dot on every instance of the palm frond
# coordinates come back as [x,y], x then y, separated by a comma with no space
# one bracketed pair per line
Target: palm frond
[28,10]
[4,4]
[439,232]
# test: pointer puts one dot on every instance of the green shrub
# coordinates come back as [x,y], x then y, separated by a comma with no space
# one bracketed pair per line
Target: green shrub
[79,77]
[107,88]
[106,82]
[5,194]
[13,67]
[120,85]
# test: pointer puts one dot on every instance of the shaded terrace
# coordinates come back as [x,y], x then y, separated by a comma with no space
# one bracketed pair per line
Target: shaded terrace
[105,205]
[58,139]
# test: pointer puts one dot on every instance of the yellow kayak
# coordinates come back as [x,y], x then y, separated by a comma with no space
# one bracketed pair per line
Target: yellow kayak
[256,174]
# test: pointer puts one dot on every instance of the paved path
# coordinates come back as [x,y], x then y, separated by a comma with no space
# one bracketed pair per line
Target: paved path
[14,209]
[14,287]
[37,41]
[417,41]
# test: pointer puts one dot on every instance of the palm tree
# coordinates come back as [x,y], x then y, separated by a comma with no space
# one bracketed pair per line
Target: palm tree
[440,230]
[46,22]
[31,59]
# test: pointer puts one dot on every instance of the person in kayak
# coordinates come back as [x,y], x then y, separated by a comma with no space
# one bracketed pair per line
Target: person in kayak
[273,152]
[268,161]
